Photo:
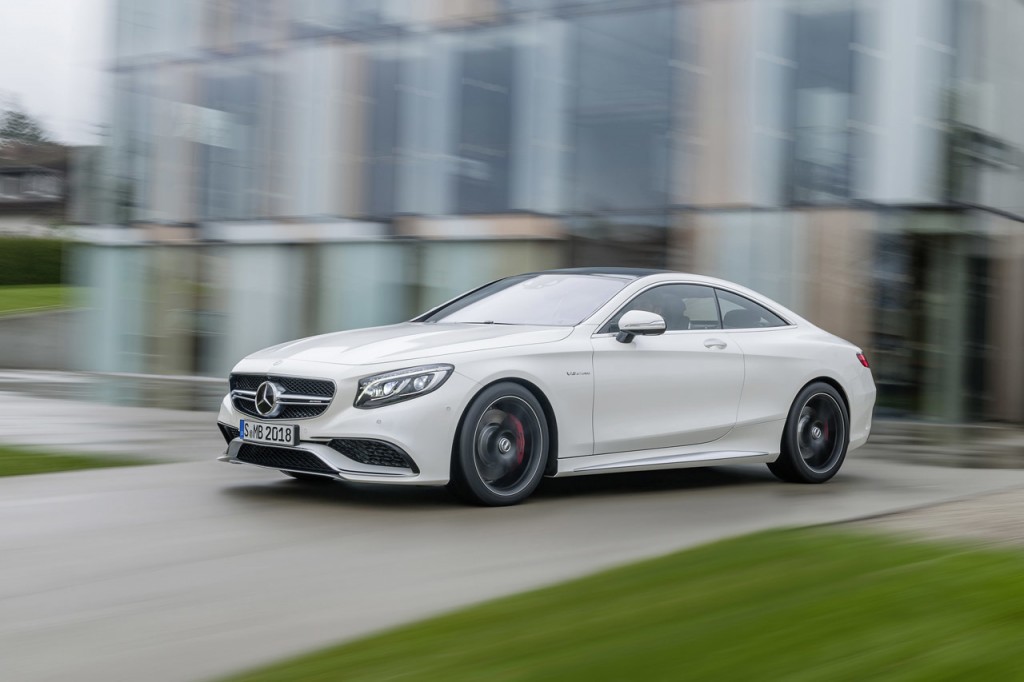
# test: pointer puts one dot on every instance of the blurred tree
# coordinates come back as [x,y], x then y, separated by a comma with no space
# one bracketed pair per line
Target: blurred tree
[24,140]
[18,126]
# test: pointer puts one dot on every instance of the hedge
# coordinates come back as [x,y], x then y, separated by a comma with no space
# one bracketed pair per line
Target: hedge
[24,260]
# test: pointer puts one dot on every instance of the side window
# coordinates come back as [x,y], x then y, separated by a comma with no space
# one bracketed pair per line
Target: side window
[684,306]
[742,313]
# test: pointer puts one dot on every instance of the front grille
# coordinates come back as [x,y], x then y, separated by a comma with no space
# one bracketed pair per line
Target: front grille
[297,412]
[250,382]
[374,452]
[229,432]
[246,382]
[295,385]
[282,458]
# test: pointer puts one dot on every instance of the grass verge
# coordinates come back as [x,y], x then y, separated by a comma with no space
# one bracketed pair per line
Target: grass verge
[19,462]
[30,298]
[814,604]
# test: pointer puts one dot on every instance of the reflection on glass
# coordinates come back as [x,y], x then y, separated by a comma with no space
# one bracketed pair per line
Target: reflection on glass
[823,33]
[229,128]
[382,143]
[485,133]
[622,114]
[548,300]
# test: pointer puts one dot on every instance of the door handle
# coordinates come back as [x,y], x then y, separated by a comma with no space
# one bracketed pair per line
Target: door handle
[715,343]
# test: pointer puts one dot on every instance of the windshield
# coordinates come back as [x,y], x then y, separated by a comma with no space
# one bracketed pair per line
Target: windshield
[562,300]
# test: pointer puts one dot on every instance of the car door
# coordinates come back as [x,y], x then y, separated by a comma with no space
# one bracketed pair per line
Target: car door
[679,388]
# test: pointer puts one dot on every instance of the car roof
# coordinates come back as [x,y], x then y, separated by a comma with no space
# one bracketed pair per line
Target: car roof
[670,276]
[636,274]
[630,273]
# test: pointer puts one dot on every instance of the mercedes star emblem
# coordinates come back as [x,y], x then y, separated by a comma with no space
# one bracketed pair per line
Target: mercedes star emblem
[266,399]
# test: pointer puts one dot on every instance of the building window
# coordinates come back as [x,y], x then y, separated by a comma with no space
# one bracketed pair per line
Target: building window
[132,142]
[486,96]
[622,110]
[229,128]
[822,102]
[382,145]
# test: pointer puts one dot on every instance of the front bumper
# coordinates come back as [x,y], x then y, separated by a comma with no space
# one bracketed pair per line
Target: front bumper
[422,428]
[313,458]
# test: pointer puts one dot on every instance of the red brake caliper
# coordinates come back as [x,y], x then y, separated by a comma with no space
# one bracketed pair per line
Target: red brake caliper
[517,426]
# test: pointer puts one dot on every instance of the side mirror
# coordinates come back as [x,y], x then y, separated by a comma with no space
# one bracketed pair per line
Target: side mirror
[639,323]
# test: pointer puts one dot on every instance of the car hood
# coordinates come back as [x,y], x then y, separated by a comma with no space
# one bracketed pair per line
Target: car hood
[409,341]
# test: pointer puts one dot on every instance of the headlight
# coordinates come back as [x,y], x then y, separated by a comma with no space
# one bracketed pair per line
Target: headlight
[403,384]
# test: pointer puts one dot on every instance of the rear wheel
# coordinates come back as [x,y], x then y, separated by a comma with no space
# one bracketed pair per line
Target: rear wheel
[816,436]
[502,447]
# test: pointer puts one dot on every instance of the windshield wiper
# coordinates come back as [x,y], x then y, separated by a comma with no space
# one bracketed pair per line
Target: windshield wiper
[506,324]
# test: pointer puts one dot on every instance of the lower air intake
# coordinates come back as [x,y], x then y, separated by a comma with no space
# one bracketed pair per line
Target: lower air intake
[373,452]
[229,432]
[282,458]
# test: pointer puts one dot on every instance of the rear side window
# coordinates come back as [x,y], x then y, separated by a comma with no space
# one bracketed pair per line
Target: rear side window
[739,312]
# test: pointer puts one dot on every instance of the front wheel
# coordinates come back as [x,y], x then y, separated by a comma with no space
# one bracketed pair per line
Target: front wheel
[816,436]
[502,447]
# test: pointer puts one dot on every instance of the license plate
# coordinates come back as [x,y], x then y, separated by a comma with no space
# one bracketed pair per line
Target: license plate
[272,434]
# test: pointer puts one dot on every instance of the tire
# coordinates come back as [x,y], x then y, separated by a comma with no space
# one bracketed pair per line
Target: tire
[816,436]
[501,449]
[308,478]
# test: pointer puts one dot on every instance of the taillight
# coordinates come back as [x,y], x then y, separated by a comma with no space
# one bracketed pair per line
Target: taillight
[863,360]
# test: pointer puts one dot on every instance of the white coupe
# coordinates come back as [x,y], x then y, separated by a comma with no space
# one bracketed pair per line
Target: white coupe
[557,373]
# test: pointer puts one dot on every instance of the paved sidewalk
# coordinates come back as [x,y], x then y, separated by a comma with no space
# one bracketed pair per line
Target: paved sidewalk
[990,519]
[974,446]
[58,425]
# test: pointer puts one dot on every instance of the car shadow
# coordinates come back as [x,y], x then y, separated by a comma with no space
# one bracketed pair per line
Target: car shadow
[550,489]
[652,481]
[349,494]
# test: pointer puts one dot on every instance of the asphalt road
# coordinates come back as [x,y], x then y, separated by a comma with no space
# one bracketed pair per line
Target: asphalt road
[194,570]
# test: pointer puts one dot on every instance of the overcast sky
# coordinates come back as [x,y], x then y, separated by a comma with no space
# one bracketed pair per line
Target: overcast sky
[52,55]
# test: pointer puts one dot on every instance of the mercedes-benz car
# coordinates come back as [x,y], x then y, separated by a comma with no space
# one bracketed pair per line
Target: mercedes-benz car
[556,373]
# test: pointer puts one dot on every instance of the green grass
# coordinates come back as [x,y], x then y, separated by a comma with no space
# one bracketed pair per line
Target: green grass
[19,462]
[27,298]
[815,604]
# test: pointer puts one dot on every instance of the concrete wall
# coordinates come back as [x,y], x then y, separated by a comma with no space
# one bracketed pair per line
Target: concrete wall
[38,340]
[838,293]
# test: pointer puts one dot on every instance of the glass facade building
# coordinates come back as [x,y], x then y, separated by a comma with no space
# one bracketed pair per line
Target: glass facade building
[859,160]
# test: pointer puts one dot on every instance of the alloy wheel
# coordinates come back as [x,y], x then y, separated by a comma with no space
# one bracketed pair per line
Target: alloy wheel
[821,432]
[508,445]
